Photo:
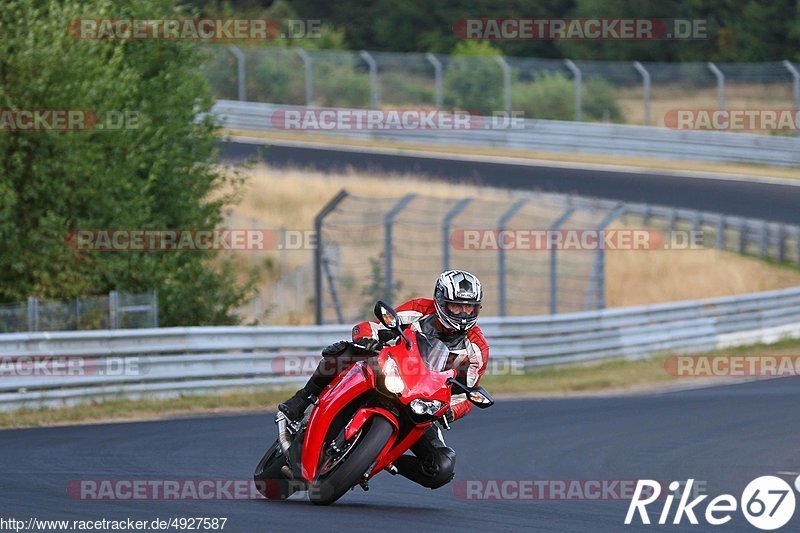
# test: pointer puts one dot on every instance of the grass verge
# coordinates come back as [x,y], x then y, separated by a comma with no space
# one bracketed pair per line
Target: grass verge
[617,376]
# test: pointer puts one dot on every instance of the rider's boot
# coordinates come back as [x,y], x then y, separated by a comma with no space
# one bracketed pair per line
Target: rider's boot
[295,407]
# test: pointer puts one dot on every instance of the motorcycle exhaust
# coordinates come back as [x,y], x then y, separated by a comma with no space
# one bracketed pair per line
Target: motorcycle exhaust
[284,438]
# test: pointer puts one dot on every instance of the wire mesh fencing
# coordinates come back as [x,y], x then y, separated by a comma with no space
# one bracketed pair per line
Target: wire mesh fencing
[626,92]
[393,248]
[117,310]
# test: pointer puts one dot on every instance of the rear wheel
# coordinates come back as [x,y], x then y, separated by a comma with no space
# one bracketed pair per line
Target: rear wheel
[342,474]
[269,479]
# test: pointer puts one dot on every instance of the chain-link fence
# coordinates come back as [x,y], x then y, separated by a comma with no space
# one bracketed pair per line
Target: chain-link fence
[114,311]
[595,91]
[393,248]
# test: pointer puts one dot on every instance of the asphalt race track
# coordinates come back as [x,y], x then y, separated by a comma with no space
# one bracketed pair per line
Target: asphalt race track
[765,201]
[725,436]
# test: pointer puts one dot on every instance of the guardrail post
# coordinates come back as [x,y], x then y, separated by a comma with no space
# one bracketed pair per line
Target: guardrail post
[373,78]
[646,88]
[113,310]
[240,63]
[388,223]
[576,73]
[448,219]
[795,85]
[781,243]
[720,85]
[506,84]
[742,238]
[437,73]
[33,313]
[721,240]
[797,244]
[696,219]
[554,263]
[762,239]
[501,253]
[597,279]
[309,75]
[673,215]
[318,220]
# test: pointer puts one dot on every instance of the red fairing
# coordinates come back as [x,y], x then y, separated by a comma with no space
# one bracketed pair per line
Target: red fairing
[346,388]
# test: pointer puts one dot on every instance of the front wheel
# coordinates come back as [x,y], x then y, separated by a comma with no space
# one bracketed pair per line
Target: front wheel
[332,485]
[269,479]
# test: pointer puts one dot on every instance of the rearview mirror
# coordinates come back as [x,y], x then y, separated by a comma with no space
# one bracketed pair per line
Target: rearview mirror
[386,315]
[477,395]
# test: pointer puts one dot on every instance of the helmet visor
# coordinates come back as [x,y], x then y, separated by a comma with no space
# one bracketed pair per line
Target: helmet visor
[462,309]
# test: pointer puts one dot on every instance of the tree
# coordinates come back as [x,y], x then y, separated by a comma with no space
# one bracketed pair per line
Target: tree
[156,172]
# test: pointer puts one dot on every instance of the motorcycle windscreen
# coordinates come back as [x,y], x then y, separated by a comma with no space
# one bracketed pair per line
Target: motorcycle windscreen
[434,352]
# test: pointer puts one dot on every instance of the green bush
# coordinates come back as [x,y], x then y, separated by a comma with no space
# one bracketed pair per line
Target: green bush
[552,96]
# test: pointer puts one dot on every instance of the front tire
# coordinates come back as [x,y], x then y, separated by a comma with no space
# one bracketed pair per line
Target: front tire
[269,479]
[326,490]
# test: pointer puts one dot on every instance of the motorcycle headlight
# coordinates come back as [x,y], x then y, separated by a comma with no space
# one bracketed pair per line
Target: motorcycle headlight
[391,377]
[425,407]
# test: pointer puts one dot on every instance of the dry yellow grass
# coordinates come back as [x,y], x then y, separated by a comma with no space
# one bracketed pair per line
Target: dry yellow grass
[275,198]
[669,97]
[647,277]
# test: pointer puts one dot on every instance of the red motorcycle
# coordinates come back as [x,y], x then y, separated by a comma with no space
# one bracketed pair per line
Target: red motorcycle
[370,415]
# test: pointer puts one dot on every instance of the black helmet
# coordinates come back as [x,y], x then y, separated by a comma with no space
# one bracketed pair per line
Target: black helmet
[460,287]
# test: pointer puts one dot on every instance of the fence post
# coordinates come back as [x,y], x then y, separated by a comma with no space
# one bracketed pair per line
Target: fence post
[554,264]
[240,59]
[33,313]
[720,244]
[646,87]
[720,85]
[388,223]
[448,218]
[597,279]
[762,239]
[506,84]
[576,73]
[327,209]
[501,254]
[113,309]
[781,243]
[795,85]
[373,77]
[309,75]
[673,215]
[742,238]
[154,303]
[437,73]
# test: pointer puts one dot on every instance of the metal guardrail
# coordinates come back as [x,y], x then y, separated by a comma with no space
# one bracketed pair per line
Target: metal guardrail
[558,136]
[197,360]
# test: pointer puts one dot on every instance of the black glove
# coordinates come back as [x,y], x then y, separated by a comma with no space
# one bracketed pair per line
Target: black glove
[368,344]
[336,348]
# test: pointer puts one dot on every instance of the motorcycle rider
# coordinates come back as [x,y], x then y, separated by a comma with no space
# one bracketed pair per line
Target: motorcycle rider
[451,317]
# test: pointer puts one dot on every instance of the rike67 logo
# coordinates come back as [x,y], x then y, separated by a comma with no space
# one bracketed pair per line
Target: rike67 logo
[767,502]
